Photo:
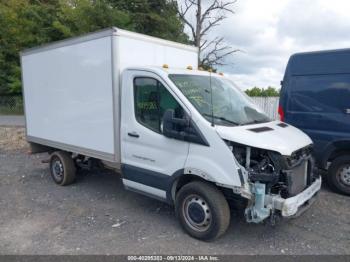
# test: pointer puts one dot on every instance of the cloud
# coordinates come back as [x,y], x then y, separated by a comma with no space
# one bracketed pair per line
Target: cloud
[268,32]
[318,23]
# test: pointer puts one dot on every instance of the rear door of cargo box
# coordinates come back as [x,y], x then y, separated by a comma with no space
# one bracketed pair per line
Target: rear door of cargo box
[68,96]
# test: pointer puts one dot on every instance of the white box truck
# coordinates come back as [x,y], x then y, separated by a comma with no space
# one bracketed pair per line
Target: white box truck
[184,136]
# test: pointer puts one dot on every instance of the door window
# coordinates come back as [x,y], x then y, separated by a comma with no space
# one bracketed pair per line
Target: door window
[151,100]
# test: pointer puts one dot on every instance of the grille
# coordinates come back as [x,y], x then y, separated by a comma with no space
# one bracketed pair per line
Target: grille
[297,178]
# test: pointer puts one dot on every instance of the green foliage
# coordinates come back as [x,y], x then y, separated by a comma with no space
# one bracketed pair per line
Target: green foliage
[268,92]
[154,17]
[20,24]
[76,17]
[29,23]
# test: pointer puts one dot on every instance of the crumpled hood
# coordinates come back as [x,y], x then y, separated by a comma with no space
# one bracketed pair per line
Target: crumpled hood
[270,136]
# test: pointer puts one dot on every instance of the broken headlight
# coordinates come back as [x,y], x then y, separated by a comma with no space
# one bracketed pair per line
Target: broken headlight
[263,166]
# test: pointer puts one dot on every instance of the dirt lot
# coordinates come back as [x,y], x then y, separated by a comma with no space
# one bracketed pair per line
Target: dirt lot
[97,216]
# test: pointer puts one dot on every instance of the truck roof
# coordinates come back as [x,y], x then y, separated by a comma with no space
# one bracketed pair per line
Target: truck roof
[319,62]
[102,33]
[161,70]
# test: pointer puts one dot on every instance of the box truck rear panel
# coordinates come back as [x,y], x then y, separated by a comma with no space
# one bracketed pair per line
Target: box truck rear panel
[69,95]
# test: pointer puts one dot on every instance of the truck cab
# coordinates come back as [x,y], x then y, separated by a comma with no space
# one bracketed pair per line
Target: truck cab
[195,128]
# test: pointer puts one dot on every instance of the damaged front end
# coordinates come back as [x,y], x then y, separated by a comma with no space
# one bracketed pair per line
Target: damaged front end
[279,185]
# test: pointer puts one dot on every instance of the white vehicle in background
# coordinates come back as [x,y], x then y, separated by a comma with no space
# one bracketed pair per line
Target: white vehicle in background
[187,137]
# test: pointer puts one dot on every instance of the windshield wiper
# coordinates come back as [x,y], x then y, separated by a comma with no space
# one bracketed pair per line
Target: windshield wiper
[222,119]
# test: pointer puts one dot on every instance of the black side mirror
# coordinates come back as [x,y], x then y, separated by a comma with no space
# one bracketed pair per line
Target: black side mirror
[182,129]
[173,127]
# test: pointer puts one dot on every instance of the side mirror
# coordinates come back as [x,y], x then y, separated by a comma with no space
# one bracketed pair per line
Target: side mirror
[173,127]
[182,129]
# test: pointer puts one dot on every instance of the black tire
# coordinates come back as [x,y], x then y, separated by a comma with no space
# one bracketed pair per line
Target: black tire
[202,199]
[334,178]
[62,168]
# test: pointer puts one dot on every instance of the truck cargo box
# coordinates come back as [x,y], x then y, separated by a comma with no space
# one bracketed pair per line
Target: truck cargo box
[71,88]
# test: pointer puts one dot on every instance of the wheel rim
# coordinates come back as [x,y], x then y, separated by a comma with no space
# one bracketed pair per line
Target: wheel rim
[344,175]
[57,169]
[197,213]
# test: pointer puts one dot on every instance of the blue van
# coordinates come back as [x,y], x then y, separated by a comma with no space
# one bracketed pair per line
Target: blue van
[315,97]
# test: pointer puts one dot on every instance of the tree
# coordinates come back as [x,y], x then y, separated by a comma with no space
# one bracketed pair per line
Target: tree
[76,17]
[29,23]
[269,92]
[154,17]
[211,52]
[23,24]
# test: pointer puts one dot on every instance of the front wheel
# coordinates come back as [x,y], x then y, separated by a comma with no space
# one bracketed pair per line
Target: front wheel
[338,176]
[202,210]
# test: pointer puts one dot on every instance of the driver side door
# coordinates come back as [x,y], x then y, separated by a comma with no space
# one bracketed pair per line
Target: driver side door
[148,157]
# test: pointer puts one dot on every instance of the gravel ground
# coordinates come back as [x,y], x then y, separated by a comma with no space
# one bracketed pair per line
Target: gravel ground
[97,216]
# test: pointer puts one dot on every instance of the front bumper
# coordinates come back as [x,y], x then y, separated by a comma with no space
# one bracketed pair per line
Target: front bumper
[293,206]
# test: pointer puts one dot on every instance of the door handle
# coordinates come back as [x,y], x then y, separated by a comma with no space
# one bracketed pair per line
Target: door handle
[133,134]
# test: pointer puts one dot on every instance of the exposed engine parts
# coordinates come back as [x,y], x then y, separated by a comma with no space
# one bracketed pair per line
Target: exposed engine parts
[285,176]
[270,173]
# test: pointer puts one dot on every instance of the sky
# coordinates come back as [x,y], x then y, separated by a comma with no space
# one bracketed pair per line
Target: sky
[268,32]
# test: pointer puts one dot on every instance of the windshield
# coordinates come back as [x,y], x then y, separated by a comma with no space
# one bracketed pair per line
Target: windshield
[228,105]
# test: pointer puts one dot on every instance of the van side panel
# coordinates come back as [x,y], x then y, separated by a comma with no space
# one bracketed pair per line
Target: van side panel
[315,97]
[320,63]
[317,104]
[69,99]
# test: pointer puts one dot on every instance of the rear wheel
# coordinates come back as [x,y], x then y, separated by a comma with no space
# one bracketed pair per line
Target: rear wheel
[62,168]
[338,176]
[202,210]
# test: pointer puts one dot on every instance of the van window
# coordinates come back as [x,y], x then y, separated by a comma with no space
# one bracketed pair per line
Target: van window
[320,93]
[152,99]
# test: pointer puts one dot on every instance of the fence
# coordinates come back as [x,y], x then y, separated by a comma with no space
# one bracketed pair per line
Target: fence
[268,104]
[11,105]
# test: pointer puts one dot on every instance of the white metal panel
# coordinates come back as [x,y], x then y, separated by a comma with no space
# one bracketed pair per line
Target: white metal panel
[283,140]
[151,150]
[68,95]
[214,162]
[140,52]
